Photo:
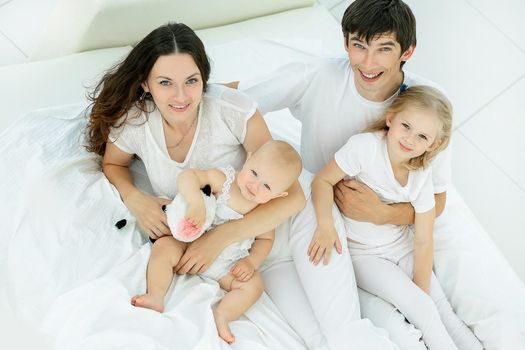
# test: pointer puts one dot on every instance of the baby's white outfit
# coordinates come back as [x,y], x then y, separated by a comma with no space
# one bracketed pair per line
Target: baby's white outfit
[223,213]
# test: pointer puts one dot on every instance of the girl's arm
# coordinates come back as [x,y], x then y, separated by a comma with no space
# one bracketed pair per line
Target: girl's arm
[146,209]
[265,217]
[325,236]
[423,249]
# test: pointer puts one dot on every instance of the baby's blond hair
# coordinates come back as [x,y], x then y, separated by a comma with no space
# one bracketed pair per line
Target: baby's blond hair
[282,155]
[424,98]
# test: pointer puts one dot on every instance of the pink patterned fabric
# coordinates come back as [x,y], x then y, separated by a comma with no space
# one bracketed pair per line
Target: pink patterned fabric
[187,230]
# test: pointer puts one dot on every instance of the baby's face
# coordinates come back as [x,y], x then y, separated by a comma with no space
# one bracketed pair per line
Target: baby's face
[261,180]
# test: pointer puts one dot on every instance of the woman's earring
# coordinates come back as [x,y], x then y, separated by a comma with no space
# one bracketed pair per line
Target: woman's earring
[143,96]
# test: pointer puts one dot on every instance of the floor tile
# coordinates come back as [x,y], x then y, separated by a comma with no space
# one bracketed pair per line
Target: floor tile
[329,4]
[507,15]
[456,48]
[495,199]
[10,54]
[3,2]
[339,9]
[497,131]
[23,20]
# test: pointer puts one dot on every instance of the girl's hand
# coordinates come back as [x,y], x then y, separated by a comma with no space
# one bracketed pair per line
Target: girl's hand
[196,214]
[321,245]
[149,214]
[243,270]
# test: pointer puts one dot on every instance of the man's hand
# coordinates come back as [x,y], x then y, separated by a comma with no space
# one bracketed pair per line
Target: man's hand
[358,202]
[200,254]
[243,270]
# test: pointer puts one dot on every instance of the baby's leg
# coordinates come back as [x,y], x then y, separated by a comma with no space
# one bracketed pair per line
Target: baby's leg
[240,297]
[165,254]
[388,281]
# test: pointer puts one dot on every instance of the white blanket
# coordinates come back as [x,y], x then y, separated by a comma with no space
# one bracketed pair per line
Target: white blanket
[70,271]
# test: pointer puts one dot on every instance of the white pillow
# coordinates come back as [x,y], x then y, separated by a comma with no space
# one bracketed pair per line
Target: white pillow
[51,83]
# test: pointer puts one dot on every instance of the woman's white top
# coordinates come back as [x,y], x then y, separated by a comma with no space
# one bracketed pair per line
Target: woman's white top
[219,135]
[365,157]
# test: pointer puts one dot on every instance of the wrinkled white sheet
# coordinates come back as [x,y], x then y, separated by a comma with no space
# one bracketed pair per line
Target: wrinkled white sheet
[67,270]
[72,273]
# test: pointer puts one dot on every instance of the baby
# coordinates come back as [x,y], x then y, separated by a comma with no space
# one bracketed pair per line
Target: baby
[266,174]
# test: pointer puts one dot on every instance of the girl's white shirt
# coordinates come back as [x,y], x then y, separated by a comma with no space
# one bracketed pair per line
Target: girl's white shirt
[365,157]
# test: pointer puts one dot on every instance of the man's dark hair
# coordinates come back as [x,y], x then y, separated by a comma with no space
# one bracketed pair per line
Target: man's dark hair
[368,19]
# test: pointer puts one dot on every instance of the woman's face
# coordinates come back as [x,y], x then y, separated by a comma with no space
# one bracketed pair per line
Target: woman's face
[176,85]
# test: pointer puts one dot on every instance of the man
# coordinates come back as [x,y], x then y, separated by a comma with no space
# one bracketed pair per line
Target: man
[336,98]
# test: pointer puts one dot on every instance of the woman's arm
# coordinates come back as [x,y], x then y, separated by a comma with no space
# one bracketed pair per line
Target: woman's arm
[325,236]
[358,202]
[146,209]
[423,249]
[201,253]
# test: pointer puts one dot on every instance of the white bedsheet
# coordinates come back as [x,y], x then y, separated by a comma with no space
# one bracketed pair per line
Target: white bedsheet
[71,273]
[67,270]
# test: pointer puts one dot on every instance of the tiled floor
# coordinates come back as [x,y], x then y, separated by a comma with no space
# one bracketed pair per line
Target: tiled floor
[474,48]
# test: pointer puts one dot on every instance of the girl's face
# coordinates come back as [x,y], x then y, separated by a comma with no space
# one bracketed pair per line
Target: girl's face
[411,133]
[176,85]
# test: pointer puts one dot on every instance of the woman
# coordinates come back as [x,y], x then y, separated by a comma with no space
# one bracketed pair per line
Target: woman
[156,104]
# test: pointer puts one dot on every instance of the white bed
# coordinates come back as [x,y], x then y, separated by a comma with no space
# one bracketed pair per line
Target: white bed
[69,283]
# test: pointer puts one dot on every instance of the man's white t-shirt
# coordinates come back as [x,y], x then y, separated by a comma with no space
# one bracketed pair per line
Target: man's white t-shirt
[365,157]
[322,95]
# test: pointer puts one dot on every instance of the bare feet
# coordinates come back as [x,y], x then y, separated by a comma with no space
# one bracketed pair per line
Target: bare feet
[222,327]
[148,301]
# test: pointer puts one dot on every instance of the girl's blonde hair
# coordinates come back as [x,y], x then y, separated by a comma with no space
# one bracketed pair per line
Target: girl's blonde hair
[423,98]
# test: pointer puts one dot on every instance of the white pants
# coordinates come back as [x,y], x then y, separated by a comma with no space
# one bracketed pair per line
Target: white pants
[479,284]
[431,313]
[320,302]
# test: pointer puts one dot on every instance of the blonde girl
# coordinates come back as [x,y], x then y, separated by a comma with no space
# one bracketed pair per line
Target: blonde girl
[394,262]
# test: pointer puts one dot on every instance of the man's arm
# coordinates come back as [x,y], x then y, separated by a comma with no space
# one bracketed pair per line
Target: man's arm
[232,84]
[357,201]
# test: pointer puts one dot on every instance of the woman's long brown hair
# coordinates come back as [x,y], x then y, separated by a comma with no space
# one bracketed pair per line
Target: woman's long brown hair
[120,88]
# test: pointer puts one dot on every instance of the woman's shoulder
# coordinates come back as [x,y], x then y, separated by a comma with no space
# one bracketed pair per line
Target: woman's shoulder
[226,99]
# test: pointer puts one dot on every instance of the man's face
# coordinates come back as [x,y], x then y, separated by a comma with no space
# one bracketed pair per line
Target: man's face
[376,65]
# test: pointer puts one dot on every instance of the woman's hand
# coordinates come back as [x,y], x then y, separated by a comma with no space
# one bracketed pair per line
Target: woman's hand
[149,214]
[321,245]
[243,270]
[201,253]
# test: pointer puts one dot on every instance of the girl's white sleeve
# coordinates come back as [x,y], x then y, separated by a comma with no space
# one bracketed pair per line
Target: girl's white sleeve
[357,153]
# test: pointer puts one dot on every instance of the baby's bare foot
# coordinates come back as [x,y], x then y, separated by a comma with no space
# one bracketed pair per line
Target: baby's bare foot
[222,327]
[148,301]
